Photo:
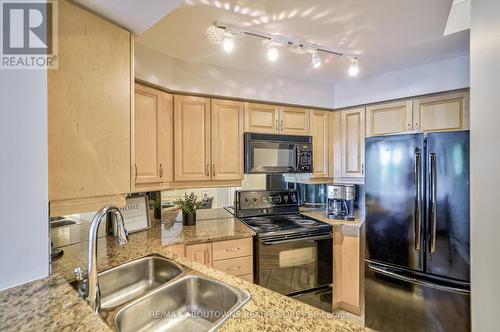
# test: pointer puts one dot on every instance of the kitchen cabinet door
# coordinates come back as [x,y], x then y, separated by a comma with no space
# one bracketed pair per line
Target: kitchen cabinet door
[353,143]
[444,112]
[152,136]
[389,118]
[261,118]
[89,113]
[201,253]
[294,121]
[192,138]
[319,132]
[227,140]
[347,271]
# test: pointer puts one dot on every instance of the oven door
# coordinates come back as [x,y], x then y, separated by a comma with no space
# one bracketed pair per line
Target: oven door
[270,157]
[294,266]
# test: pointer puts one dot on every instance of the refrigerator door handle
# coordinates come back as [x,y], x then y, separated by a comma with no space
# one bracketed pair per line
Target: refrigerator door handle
[418,200]
[417,281]
[433,210]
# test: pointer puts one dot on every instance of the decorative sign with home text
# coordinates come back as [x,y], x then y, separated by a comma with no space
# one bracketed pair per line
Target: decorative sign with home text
[136,214]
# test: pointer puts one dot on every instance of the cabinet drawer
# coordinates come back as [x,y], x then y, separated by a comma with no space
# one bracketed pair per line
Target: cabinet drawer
[247,277]
[232,249]
[236,266]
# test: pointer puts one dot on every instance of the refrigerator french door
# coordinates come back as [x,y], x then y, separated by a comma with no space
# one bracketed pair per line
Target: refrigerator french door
[417,232]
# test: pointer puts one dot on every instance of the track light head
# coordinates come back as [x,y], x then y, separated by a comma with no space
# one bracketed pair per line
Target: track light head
[272,53]
[315,60]
[228,42]
[353,67]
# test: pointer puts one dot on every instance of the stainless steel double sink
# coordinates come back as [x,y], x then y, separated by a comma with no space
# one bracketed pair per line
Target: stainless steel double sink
[153,293]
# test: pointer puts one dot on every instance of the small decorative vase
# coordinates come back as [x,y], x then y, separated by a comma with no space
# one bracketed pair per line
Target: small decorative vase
[189,219]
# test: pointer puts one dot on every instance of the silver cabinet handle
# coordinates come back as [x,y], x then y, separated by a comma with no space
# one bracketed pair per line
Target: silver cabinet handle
[135,167]
[233,249]
[161,170]
[363,169]
[277,126]
[418,200]
[213,169]
[207,169]
[433,211]
[282,125]
[233,268]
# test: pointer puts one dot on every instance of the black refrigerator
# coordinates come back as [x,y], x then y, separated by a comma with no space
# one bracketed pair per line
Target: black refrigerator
[417,262]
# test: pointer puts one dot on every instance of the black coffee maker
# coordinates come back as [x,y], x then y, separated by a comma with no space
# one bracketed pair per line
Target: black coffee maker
[341,201]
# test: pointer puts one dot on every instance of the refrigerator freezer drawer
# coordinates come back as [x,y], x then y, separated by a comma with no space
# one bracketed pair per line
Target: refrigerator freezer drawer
[394,304]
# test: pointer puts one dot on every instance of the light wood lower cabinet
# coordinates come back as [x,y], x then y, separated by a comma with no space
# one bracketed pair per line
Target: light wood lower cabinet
[89,110]
[443,112]
[234,257]
[389,118]
[192,138]
[347,271]
[152,133]
[232,248]
[235,266]
[200,253]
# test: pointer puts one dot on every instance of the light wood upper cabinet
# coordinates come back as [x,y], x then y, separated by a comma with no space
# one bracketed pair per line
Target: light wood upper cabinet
[89,111]
[294,121]
[442,112]
[261,118]
[200,253]
[227,140]
[353,142]
[320,141]
[152,134]
[192,138]
[389,118]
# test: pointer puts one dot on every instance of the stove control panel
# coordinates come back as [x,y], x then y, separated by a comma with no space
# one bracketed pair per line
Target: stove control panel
[264,199]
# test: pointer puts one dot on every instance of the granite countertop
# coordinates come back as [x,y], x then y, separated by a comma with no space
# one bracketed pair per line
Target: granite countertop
[350,228]
[51,304]
[159,236]
[48,304]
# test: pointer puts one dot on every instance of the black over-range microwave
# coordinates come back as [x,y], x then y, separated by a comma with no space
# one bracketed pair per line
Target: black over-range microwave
[268,153]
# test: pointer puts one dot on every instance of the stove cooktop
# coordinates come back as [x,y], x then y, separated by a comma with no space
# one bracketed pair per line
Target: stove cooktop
[269,225]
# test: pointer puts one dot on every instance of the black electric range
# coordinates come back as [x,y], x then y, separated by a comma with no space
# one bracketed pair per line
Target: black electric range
[292,252]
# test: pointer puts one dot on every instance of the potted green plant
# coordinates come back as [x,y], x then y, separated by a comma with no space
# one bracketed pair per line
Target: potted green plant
[188,206]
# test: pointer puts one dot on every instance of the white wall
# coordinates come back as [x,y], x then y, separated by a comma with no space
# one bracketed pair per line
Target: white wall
[485,164]
[24,253]
[155,67]
[433,77]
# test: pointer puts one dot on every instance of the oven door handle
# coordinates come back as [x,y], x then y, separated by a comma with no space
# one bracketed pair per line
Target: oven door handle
[307,238]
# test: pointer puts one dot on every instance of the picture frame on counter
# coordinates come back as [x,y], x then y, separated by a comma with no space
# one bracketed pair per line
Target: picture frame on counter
[136,213]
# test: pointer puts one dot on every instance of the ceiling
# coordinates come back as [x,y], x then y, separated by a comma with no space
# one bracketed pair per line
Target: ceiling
[386,34]
[131,14]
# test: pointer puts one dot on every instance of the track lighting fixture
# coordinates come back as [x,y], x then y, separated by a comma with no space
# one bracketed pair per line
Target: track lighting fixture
[225,33]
